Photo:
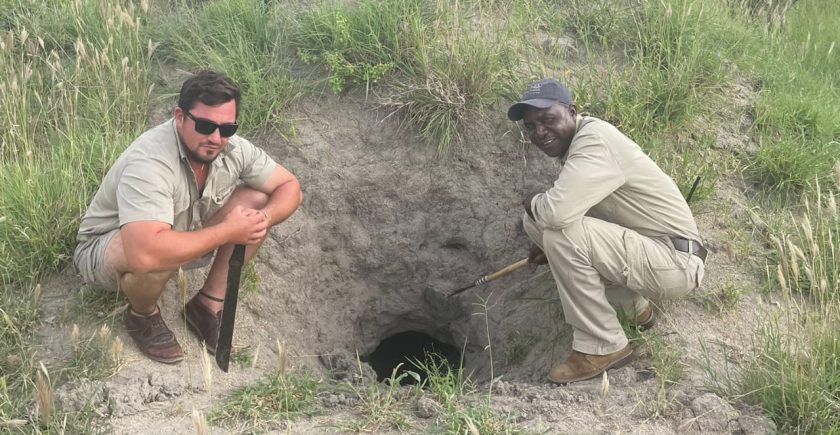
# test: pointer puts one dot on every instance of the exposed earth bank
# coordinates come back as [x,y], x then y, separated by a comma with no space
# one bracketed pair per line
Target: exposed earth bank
[385,218]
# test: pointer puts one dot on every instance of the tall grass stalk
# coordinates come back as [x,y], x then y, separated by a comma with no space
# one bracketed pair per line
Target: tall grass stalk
[797,115]
[65,106]
[675,63]
[794,371]
[74,87]
[808,258]
[661,71]
[440,66]
[381,404]
[362,42]
[246,40]
[462,68]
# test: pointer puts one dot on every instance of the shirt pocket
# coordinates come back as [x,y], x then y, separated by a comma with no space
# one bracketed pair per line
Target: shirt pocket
[220,196]
[656,269]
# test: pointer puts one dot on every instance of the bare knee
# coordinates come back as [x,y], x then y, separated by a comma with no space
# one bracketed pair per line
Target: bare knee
[248,198]
[243,196]
[152,279]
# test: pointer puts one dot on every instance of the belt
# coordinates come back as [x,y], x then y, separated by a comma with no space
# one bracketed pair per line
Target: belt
[683,245]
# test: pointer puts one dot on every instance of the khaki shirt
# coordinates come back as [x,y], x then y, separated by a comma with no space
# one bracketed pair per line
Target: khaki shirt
[607,176]
[152,181]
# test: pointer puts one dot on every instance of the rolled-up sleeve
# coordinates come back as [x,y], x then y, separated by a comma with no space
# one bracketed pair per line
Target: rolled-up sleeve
[256,166]
[144,192]
[589,175]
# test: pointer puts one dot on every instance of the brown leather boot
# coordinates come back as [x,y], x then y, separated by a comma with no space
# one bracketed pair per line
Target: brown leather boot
[153,337]
[580,366]
[646,319]
[203,322]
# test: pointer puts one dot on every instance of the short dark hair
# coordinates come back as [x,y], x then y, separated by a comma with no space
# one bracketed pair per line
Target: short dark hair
[210,88]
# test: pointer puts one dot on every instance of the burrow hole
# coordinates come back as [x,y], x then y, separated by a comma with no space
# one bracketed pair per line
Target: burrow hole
[408,348]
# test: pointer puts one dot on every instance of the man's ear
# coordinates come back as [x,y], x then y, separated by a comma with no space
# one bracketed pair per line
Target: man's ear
[573,110]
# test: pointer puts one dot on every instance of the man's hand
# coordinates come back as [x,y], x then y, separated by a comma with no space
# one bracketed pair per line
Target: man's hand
[536,255]
[526,204]
[247,226]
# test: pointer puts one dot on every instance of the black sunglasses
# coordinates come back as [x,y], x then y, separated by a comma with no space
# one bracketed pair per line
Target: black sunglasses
[205,126]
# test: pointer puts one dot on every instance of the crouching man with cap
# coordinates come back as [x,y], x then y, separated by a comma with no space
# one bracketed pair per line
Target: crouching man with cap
[614,229]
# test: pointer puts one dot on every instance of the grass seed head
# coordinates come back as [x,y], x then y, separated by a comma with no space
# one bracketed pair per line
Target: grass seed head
[75,336]
[105,334]
[13,423]
[36,294]
[781,275]
[837,173]
[807,229]
[799,253]
[199,421]
[9,42]
[116,351]
[471,426]
[44,397]
[794,264]
[605,385]
[283,357]
[207,369]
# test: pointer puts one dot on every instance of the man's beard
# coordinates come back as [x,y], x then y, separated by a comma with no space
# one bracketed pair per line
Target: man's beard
[196,157]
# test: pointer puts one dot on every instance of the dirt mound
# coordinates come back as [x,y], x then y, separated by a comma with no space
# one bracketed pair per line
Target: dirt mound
[383,219]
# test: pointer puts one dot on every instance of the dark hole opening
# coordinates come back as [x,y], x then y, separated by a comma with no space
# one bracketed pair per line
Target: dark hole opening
[408,348]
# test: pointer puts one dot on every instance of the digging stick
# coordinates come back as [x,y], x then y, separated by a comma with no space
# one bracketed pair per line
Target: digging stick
[223,345]
[431,295]
[493,276]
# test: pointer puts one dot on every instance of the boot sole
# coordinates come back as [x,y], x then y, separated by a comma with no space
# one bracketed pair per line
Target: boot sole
[165,360]
[614,365]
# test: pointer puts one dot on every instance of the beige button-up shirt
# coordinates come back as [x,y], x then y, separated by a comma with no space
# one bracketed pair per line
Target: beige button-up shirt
[152,181]
[607,176]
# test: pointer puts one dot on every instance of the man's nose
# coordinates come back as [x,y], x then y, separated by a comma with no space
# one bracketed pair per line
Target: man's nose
[215,136]
[539,131]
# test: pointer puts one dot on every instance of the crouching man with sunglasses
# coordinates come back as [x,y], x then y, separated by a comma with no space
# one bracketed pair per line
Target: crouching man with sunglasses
[180,193]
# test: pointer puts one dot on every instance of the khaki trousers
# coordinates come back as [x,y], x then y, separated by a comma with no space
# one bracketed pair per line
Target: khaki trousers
[597,263]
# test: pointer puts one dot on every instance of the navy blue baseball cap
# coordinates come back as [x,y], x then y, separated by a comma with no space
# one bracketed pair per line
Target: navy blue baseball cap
[541,94]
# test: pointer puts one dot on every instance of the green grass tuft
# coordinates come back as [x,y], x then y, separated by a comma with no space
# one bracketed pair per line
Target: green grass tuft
[246,40]
[381,404]
[270,401]
[360,43]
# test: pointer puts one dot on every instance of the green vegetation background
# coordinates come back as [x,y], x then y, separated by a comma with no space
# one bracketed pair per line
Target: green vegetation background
[77,79]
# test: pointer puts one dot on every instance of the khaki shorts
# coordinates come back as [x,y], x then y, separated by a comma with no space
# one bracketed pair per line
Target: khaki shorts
[89,259]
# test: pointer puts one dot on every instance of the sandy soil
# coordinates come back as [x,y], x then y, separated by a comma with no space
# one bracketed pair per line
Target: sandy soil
[384,218]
